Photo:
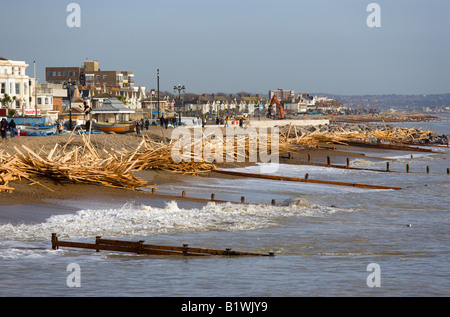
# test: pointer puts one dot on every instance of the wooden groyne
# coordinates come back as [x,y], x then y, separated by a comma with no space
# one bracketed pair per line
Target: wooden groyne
[139,247]
[397,147]
[306,180]
[198,200]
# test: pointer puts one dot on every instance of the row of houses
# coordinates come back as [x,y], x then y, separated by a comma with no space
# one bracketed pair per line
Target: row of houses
[76,90]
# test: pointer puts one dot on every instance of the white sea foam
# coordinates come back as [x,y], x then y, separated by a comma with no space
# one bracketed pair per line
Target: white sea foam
[141,220]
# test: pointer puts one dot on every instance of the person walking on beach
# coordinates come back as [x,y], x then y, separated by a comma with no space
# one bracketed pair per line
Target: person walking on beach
[147,123]
[138,127]
[161,121]
[88,125]
[226,122]
[3,128]
[59,126]
[12,128]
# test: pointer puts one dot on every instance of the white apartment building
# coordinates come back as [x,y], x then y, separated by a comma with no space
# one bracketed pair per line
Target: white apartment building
[15,83]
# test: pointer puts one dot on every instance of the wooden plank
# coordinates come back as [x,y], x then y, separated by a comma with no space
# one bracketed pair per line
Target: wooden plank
[308,180]
[176,248]
[389,146]
[150,249]
[7,189]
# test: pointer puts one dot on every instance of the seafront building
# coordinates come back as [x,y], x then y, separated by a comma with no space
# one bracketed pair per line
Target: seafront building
[16,88]
[282,94]
[90,75]
[95,85]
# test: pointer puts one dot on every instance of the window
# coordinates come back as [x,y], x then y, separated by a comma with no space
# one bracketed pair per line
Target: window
[17,89]
[75,74]
[70,74]
[104,77]
[65,74]
[46,101]
[54,74]
[3,89]
[59,74]
[49,74]
[39,101]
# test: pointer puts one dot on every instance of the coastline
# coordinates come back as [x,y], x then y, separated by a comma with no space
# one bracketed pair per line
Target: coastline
[38,199]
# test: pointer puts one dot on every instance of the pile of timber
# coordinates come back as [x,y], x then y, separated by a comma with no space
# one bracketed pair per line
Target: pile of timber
[347,134]
[82,164]
[191,155]
[8,173]
[115,168]
[158,156]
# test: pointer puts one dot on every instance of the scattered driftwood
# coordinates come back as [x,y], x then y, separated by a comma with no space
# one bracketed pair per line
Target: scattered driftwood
[313,136]
[81,164]
[115,168]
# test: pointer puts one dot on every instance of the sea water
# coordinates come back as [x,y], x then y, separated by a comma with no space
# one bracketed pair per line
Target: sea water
[326,238]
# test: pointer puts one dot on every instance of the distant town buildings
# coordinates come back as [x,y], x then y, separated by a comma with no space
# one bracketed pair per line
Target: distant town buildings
[282,94]
[78,91]
[90,75]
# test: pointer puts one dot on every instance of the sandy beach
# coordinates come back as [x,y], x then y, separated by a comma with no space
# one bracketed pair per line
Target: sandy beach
[47,190]
[26,193]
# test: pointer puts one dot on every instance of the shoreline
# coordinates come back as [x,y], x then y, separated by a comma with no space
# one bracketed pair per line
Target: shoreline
[37,198]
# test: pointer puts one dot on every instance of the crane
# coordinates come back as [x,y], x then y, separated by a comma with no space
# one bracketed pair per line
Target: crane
[273,101]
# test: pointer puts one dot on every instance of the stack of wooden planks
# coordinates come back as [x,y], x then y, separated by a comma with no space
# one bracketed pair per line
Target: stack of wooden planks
[382,134]
[80,164]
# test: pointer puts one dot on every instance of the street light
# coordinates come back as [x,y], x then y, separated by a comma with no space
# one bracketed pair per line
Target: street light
[68,85]
[179,88]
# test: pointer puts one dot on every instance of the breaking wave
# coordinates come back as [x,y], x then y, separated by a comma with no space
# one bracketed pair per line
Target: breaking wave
[142,220]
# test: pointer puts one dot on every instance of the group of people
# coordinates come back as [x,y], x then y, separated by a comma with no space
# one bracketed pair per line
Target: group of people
[140,124]
[227,120]
[6,126]
[164,121]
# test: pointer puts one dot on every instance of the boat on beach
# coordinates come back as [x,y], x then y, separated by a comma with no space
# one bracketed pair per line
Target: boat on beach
[37,130]
[118,127]
[113,117]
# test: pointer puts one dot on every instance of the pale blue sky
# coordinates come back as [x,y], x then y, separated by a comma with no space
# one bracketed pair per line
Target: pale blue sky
[246,45]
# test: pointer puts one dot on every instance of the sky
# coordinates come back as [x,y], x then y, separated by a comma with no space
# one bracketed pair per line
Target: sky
[229,46]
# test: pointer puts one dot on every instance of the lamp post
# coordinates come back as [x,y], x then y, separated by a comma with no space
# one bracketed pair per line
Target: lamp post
[68,85]
[179,88]
[157,83]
